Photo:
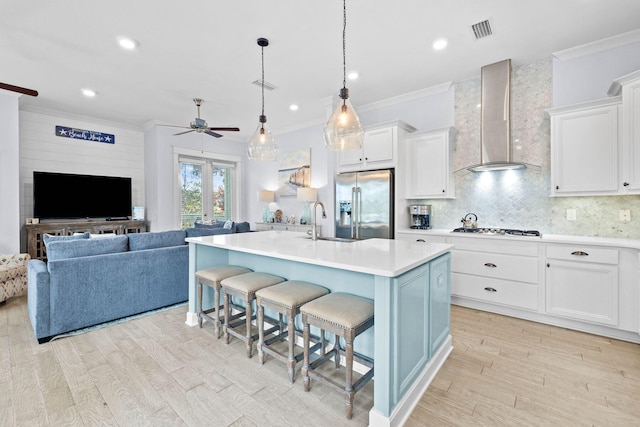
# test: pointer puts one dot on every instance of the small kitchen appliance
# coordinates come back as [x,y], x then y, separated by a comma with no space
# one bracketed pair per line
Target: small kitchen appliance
[420,217]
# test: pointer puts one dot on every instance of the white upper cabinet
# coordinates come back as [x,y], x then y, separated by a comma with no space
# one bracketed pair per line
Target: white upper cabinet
[629,87]
[429,165]
[585,149]
[379,149]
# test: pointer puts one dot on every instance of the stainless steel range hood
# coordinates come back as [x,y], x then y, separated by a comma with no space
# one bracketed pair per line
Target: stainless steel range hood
[495,122]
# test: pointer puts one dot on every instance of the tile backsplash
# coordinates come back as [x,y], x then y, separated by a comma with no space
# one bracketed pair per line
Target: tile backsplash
[520,199]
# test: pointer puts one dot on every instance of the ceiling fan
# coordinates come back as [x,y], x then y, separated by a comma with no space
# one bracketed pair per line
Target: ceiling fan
[200,126]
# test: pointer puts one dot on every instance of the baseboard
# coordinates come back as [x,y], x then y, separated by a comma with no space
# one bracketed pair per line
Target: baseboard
[405,406]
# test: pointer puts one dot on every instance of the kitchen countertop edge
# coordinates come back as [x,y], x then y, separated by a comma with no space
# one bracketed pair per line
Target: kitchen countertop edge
[545,238]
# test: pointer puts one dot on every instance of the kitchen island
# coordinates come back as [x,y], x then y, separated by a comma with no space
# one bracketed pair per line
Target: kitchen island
[408,281]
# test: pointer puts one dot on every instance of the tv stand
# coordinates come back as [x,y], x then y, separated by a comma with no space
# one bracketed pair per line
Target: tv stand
[35,244]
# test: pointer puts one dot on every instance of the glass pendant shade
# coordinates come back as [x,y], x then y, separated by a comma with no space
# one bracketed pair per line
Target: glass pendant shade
[343,130]
[262,145]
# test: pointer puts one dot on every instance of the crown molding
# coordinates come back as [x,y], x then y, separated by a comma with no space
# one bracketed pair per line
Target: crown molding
[598,46]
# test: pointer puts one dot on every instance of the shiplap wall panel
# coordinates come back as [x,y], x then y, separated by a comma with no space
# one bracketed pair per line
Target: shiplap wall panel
[42,150]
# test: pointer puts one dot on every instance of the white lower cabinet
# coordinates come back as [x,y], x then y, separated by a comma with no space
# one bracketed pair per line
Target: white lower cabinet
[582,283]
[264,226]
[495,272]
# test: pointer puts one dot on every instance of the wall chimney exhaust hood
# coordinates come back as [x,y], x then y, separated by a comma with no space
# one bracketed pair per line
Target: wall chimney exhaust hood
[495,121]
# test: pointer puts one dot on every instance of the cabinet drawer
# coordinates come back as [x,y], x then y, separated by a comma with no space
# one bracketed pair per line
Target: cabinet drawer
[583,254]
[496,291]
[498,266]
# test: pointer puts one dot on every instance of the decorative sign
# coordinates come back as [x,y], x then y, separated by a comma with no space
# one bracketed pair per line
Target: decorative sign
[87,135]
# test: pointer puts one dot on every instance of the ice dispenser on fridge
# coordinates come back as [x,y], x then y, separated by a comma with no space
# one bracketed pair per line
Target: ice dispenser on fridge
[420,216]
[345,212]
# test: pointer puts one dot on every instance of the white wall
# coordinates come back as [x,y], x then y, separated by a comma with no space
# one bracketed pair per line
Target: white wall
[42,150]
[588,77]
[9,174]
[159,143]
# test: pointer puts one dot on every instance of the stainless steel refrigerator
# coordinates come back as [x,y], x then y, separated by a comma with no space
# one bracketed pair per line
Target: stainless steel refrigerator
[364,204]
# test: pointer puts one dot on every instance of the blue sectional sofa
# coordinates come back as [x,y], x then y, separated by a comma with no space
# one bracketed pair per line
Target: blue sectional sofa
[88,281]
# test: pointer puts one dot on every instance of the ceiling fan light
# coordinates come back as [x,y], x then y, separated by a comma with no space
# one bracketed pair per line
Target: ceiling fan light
[262,146]
[343,130]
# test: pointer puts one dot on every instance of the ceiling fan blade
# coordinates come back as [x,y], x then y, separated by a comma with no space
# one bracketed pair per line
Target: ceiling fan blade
[226,129]
[22,90]
[174,126]
[182,133]
[213,134]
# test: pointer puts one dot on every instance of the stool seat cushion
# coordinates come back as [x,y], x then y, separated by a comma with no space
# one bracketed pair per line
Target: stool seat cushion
[218,274]
[341,309]
[292,294]
[249,283]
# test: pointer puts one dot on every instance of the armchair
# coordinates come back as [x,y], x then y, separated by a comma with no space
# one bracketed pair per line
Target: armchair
[13,275]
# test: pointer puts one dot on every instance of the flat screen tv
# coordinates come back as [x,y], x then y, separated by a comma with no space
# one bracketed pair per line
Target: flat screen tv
[69,196]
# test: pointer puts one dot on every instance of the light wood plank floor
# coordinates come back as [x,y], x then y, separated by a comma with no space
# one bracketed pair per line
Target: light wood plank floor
[157,371]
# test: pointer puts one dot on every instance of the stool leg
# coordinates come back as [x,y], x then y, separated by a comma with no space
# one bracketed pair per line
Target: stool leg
[336,348]
[291,334]
[216,316]
[305,367]
[200,304]
[260,309]
[349,379]
[248,313]
[225,328]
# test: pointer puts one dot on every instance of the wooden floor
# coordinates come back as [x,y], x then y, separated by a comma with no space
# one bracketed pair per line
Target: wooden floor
[157,371]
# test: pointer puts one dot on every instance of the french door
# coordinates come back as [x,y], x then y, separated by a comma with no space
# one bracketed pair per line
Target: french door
[206,190]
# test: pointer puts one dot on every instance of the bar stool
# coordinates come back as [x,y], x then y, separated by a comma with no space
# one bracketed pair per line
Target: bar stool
[285,298]
[346,316]
[212,277]
[244,286]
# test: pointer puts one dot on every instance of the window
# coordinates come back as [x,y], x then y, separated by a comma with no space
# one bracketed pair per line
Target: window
[206,189]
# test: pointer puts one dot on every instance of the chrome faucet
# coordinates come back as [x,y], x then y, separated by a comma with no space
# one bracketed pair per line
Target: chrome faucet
[314,233]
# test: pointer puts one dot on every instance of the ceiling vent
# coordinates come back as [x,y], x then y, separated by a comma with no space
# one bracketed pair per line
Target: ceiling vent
[267,85]
[482,29]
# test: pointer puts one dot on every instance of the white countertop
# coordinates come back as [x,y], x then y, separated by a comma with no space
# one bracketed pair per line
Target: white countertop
[545,238]
[382,257]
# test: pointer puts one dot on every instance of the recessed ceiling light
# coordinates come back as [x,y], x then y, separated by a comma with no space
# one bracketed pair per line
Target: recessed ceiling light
[127,43]
[89,93]
[353,75]
[440,43]
[293,107]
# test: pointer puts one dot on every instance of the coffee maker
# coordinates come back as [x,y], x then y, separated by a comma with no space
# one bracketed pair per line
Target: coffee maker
[420,217]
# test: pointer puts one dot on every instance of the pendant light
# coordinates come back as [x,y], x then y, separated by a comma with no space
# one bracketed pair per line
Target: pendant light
[262,145]
[343,130]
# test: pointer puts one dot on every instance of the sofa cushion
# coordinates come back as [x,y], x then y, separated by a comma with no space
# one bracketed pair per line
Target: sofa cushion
[205,225]
[46,238]
[243,227]
[86,247]
[160,239]
[199,232]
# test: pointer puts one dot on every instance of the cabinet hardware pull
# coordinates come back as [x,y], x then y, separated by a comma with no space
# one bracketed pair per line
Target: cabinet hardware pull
[548,265]
[420,240]
[490,289]
[626,184]
[490,264]
[579,253]
[443,191]
[557,188]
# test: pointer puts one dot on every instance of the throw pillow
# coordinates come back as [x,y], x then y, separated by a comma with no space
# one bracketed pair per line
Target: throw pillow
[243,227]
[212,225]
[46,238]
[228,224]
[160,239]
[86,247]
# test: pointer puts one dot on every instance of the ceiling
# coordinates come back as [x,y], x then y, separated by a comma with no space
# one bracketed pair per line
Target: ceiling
[208,49]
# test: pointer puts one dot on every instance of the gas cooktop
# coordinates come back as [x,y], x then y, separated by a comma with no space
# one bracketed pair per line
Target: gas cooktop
[498,231]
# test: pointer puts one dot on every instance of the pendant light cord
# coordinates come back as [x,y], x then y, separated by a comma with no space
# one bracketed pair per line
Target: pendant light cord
[344,43]
[262,85]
